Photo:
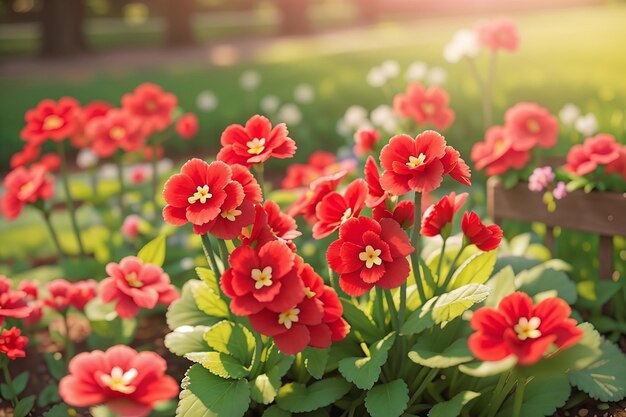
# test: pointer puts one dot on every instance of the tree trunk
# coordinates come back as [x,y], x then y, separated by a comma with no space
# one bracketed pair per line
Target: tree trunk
[178,15]
[294,17]
[62,31]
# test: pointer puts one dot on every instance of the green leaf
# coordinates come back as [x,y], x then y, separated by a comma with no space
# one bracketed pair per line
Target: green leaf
[185,339]
[231,339]
[315,361]
[185,312]
[420,320]
[387,400]
[154,251]
[275,411]
[451,305]
[453,407]
[60,410]
[209,278]
[19,384]
[543,278]
[55,366]
[190,405]
[98,310]
[49,395]
[277,361]
[210,302]
[485,369]
[365,371]
[595,293]
[428,352]
[500,285]
[23,406]
[542,397]
[220,364]
[264,388]
[298,398]
[475,270]
[222,397]
[604,379]
[360,323]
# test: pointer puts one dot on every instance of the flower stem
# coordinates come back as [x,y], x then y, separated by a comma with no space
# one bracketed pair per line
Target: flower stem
[429,377]
[380,307]
[415,242]
[155,173]
[53,234]
[210,255]
[504,386]
[519,397]
[392,309]
[451,270]
[257,353]
[69,344]
[443,254]
[65,180]
[9,380]
[223,252]
[259,170]
[120,177]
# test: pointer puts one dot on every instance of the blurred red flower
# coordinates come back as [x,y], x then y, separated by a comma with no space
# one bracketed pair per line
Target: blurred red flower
[28,154]
[320,163]
[187,126]
[365,140]
[12,303]
[335,209]
[91,111]
[424,106]
[309,199]
[439,216]
[602,148]
[51,120]
[498,34]
[496,153]
[528,125]
[579,162]
[520,329]
[25,186]
[118,129]
[152,105]
[12,343]
[128,382]
[486,238]
[60,295]
[83,292]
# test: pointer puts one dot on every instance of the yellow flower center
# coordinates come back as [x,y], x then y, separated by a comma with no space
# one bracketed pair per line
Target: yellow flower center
[256,146]
[133,280]
[287,318]
[346,215]
[117,133]
[415,162]
[201,194]
[499,145]
[371,256]
[428,108]
[533,126]
[263,277]
[309,293]
[528,329]
[52,122]
[151,106]
[119,380]
[230,214]
[26,189]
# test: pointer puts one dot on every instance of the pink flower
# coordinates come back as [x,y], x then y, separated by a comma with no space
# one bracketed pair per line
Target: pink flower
[135,285]
[60,295]
[579,162]
[498,34]
[130,227]
[139,174]
[25,186]
[540,179]
[82,293]
[560,191]
[528,125]
[127,382]
[187,126]
[12,303]
[118,129]
[496,153]
[602,148]
[425,106]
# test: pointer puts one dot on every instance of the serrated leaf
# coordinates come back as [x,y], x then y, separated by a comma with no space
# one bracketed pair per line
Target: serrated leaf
[542,397]
[186,339]
[210,302]
[185,312]
[315,361]
[264,388]
[387,400]
[299,398]
[222,397]
[485,369]
[360,323]
[190,405]
[365,371]
[275,411]
[426,353]
[453,407]
[209,278]
[231,339]
[542,278]
[154,251]
[220,364]
[420,320]
[454,303]
[475,270]
[50,394]
[605,378]
[23,406]
[500,285]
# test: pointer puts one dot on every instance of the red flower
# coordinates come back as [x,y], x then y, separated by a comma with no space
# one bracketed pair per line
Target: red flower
[335,209]
[51,120]
[12,343]
[92,111]
[50,161]
[60,295]
[424,106]
[148,152]
[529,125]
[375,193]
[25,186]
[260,278]
[496,153]
[308,200]
[255,143]
[370,253]
[321,163]
[520,329]
[413,164]
[187,126]
[12,303]
[486,238]
[619,165]
[118,129]
[152,105]
[128,382]
[30,288]
[281,225]
[579,162]
[83,292]
[403,213]
[136,285]
[456,167]
[364,141]
[29,153]
[438,217]
[498,34]
[270,224]
[602,148]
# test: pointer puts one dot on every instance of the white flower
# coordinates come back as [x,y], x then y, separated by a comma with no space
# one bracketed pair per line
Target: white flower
[86,158]
[376,77]
[187,263]
[355,116]
[290,113]
[569,113]
[586,125]
[164,165]
[108,171]
[304,93]
[437,76]
[464,44]
[269,104]
[250,80]
[342,128]
[416,71]
[390,68]
[206,101]
[382,116]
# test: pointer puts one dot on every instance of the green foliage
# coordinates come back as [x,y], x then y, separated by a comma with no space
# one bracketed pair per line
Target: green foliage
[186,339]
[231,339]
[605,378]
[55,366]
[264,388]
[275,411]
[419,320]
[23,406]
[221,397]
[361,324]
[595,293]
[49,395]
[154,251]
[430,352]
[299,398]
[60,410]
[315,361]
[542,397]
[543,278]
[475,270]
[500,285]
[19,384]
[185,312]
[487,369]
[365,371]
[454,303]
[387,400]
[453,407]
[209,278]
[210,302]
[220,364]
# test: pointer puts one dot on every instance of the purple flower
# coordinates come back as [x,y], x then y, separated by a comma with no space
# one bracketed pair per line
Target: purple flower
[560,191]
[540,179]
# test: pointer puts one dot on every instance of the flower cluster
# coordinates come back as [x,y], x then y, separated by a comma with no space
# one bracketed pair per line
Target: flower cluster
[600,151]
[424,106]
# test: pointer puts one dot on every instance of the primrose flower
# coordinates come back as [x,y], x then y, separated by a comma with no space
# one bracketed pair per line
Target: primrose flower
[523,330]
[152,105]
[12,343]
[486,238]
[529,125]
[438,216]
[25,186]
[118,129]
[128,382]
[496,153]
[55,120]
[560,190]
[90,112]
[500,34]
[365,140]
[335,209]
[12,303]
[187,126]
[424,105]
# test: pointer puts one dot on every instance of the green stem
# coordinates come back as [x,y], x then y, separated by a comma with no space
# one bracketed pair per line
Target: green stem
[223,252]
[500,394]
[451,271]
[257,354]
[519,397]
[259,170]
[155,173]
[120,178]
[415,242]
[443,254]
[69,201]
[53,234]
[429,377]
[487,94]
[69,344]
[392,309]
[210,255]
[380,308]
[9,380]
